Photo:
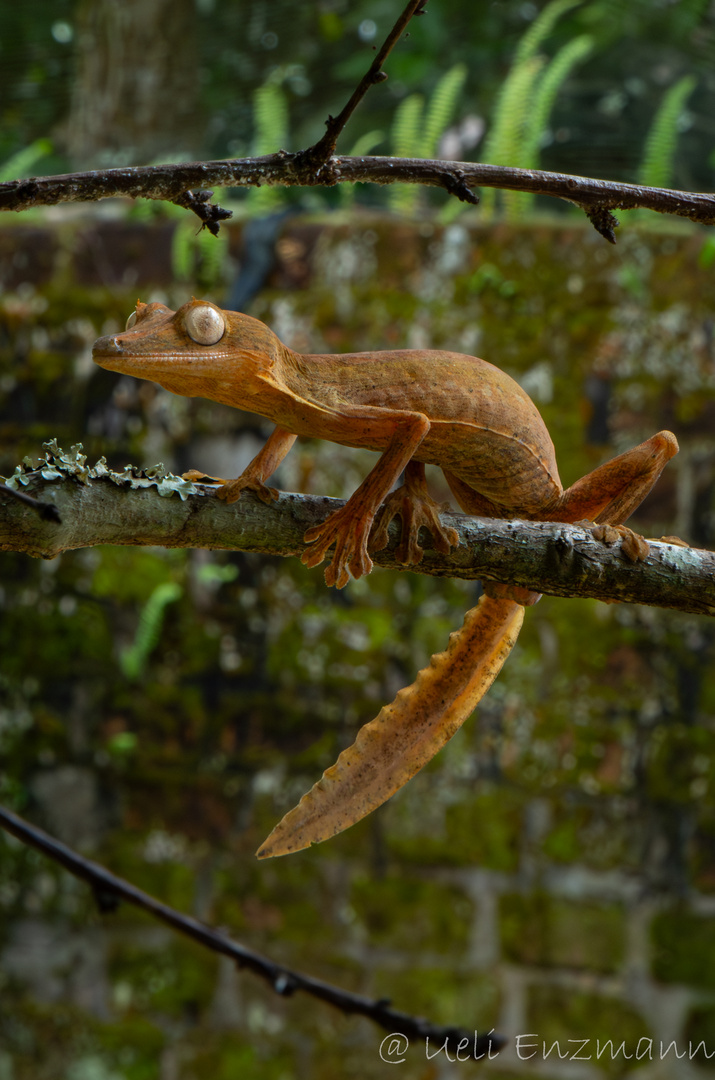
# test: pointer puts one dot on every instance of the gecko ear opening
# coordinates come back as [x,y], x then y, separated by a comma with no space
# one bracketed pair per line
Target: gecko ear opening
[204,324]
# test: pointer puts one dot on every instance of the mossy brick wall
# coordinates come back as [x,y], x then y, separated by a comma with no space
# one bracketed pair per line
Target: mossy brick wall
[551,874]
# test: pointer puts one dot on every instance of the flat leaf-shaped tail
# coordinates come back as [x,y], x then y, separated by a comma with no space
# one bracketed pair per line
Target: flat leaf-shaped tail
[407,734]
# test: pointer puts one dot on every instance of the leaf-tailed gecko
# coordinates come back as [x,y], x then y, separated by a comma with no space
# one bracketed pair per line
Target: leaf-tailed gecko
[415,407]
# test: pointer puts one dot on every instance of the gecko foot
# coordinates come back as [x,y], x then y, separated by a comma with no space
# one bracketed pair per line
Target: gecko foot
[633,545]
[417,510]
[232,489]
[349,533]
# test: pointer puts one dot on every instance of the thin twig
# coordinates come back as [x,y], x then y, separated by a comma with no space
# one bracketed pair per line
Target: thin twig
[318,155]
[109,888]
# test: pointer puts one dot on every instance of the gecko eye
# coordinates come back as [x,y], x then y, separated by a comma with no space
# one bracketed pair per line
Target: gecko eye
[131,320]
[204,324]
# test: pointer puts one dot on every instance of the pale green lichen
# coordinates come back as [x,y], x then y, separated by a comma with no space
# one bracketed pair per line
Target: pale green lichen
[59,464]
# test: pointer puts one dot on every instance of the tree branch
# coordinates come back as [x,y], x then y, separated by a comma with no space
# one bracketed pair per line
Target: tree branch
[319,154]
[185,183]
[98,506]
[172,183]
[109,889]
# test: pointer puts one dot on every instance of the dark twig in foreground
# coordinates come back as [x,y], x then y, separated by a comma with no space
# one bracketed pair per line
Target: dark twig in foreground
[108,888]
[320,153]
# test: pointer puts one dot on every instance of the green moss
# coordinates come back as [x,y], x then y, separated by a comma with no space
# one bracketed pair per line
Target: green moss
[229,1056]
[605,1032]
[680,758]
[175,979]
[684,948]
[400,910]
[699,1034]
[449,997]
[474,830]
[133,1045]
[543,930]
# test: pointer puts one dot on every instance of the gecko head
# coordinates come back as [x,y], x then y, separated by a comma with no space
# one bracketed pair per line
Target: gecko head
[190,351]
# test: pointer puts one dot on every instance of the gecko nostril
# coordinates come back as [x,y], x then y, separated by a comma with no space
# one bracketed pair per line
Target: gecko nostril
[106,346]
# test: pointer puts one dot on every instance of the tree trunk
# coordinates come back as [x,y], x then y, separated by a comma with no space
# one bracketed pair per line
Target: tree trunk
[135,92]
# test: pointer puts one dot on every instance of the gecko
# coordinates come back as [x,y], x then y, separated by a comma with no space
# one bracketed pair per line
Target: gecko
[415,407]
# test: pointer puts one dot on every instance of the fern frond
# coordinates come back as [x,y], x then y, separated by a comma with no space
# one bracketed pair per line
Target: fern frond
[20,164]
[656,166]
[440,109]
[503,143]
[133,659]
[270,118]
[182,250]
[549,85]
[213,252]
[406,126]
[364,145]
[541,27]
[547,88]
[405,143]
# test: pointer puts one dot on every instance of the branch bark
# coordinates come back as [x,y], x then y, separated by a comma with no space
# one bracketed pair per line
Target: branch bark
[110,889]
[183,182]
[548,557]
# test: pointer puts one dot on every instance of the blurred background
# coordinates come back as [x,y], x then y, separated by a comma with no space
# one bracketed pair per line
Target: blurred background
[553,871]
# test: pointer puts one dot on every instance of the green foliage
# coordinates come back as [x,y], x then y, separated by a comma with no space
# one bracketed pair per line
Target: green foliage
[20,164]
[270,119]
[683,947]
[656,167]
[198,255]
[133,659]
[413,136]
[546,90]
[441,107]
[707,252]
[541,28]
[364,145]
[525,103]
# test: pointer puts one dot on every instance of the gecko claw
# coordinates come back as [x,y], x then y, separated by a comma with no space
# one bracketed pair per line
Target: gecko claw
[233,489]
[350,538]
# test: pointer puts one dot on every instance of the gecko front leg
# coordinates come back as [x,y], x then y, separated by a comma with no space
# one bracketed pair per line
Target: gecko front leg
[416,508]
[349,528]
[257,472]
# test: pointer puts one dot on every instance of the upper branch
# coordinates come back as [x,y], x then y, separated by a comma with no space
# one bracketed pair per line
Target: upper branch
[320,153]
[172,182]
[548,557]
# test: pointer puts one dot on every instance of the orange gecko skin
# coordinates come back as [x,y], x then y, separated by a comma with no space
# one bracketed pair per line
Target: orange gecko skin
[415,407]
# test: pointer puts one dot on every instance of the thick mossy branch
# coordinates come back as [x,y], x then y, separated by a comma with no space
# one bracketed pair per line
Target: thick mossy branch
[562,560]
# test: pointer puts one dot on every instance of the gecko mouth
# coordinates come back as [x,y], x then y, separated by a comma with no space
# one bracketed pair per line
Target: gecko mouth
[114,354]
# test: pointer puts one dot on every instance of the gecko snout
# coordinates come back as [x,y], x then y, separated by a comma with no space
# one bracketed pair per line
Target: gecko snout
[106,348]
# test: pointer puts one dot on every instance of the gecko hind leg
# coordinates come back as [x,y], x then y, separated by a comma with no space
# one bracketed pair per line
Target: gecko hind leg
[415,506]
[606,497]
